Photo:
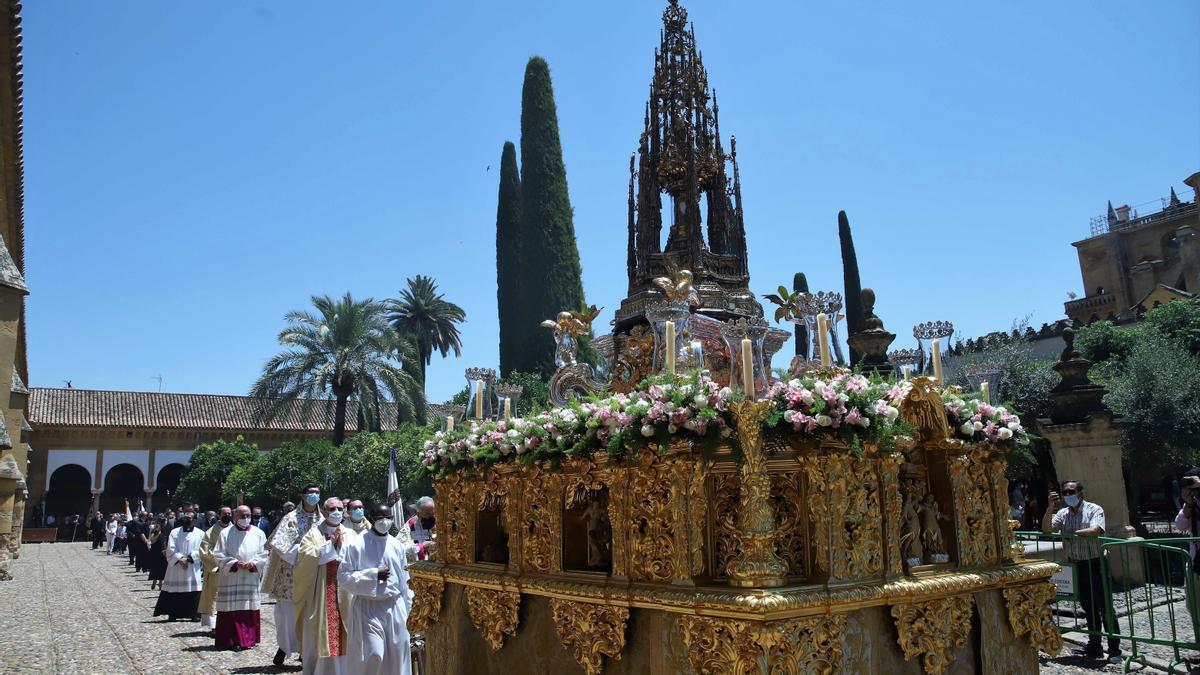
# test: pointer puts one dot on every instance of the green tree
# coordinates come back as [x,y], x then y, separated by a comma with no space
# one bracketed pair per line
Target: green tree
[277,476]
[424,317]
[551,278]
[853,299]
[510,301]
[209,467]
[347,351]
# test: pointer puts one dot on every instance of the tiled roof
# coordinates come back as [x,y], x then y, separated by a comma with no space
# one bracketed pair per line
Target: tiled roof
[146,409]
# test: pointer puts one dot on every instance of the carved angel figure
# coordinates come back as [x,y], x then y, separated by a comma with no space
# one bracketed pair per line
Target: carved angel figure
[679,289]
[931,531]
[567,327]
[910,529]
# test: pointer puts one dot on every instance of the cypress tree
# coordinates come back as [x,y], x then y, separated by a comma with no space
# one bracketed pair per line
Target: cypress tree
[800,285]
[853,297]
[551,278]
[509,300]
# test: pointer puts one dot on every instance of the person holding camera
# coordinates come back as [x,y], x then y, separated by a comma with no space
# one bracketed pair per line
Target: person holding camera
[1188,522]
[1082,522]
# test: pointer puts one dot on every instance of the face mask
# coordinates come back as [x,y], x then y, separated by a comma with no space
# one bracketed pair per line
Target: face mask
[1072,500]
[383,525]
[226,519]
[187,523]
[243,523]
[356,515]
[427,523]
[312,498]
[334,517]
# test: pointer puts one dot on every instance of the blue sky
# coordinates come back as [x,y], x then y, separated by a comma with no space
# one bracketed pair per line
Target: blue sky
[195,170]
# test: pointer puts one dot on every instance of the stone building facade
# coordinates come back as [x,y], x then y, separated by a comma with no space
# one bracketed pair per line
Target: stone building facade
[95,449]
[14,448]
[1131,263]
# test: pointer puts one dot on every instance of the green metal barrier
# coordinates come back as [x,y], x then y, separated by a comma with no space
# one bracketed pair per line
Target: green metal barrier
[1145,599]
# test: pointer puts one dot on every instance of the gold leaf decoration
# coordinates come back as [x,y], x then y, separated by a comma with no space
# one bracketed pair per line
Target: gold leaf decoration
[933,628]
[721,646]
[1029,614]
[426,603]
[590,631]
[494,613]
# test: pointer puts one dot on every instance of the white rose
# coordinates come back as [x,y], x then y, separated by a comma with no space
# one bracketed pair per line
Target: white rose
[978,425]
[1013,426]
[824,420]
[671,428]
[700,400]
[647,430]
[1004,433]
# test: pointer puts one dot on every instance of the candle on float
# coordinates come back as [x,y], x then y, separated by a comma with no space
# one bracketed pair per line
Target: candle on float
[449,423]
[985,392]
[937,361]
[670,361]
[748,367]
[507,407]
[823,340]
[479,399]
[907,370]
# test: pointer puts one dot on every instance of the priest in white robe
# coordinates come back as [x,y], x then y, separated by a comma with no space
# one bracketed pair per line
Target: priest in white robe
[208,595]
[241,556]
[319,604]
[180,596]
[374,573]
[295,524]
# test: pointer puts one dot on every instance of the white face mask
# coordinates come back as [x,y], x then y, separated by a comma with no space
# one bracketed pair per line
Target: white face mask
[243,523]
[383,525]
[334,517]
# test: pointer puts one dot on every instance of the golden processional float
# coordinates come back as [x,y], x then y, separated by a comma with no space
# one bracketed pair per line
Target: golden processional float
[687,513]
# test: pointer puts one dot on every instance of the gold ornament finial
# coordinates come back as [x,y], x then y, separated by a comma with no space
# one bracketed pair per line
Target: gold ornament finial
[756,566]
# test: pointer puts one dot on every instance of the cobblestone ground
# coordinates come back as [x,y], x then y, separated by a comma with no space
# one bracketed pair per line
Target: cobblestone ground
[70,609]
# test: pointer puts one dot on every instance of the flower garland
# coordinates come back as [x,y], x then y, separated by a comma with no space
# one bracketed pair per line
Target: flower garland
[839,404]
[974,420]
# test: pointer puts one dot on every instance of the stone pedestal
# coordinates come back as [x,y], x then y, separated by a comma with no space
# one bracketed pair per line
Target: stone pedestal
[1090,452]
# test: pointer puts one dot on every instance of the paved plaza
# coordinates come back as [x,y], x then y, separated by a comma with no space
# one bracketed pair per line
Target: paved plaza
[70,609]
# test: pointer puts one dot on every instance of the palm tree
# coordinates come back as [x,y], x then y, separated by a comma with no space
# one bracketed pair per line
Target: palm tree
[424,316]
[346,350]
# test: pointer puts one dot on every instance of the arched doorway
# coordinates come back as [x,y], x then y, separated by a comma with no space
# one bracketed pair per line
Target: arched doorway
[123,481]
[70,492]
[167,485]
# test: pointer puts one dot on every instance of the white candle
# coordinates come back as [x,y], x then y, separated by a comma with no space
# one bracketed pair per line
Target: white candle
[748,367]
[670,330]
[449,423]
[907,369]
[823,340]
[985,392]
[479,399]
[507,407]
[937,361]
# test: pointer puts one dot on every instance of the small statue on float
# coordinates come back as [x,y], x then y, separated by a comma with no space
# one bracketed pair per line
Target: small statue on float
[679,289]
[910,530]
[931,530]
[571,375]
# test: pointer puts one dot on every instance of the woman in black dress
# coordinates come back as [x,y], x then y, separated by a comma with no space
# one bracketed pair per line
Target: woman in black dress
[156,557]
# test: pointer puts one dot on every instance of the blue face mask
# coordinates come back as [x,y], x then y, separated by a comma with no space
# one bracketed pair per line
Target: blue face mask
[312,498]
[1072,500]
[356,514]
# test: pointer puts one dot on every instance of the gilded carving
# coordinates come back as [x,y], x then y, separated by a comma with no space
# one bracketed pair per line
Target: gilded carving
[455,518]
[996,465]
[933,629]
[756,565]
[889,481]
[973,516]
[1029,614]
[736,647]
[818,512]
[924,409]
[657,549]
[619,517]
[788,505]
[725,510]
[541,521]
[426,603]
[858,542]
[494,613]
[590,631]
[697,516]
